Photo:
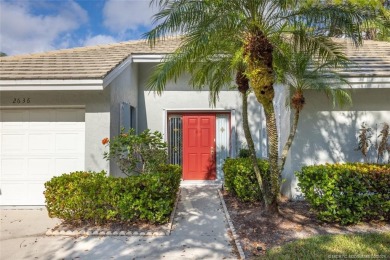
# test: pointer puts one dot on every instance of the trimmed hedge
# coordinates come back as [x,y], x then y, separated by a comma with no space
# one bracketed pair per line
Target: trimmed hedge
[89,197]
[240,178]
[347,193]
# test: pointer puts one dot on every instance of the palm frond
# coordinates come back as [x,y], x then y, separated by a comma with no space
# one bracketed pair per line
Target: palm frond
[176,17]
[334,20]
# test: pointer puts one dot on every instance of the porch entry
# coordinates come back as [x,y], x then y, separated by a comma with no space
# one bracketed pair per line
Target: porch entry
[200,143]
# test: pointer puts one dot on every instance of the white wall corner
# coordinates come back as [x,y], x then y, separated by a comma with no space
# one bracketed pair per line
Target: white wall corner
[233,150]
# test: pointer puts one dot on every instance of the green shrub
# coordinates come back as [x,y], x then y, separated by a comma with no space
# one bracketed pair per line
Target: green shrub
[240,178]
[135,154]
[347,193]
[90,197]
[244,153]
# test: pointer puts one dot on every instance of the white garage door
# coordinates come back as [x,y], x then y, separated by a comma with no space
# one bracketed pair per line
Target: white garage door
[35,145]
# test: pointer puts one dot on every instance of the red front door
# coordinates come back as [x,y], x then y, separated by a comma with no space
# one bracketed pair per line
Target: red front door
[199,147]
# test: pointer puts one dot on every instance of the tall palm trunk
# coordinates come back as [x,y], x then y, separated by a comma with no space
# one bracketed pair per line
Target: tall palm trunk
[243,87]
[290,139]
[272,183]
[258,55]
[297,102]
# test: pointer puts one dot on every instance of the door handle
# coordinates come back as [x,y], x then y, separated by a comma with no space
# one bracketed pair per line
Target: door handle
[212,150]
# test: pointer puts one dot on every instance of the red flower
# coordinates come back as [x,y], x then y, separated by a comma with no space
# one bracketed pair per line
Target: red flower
[105,141]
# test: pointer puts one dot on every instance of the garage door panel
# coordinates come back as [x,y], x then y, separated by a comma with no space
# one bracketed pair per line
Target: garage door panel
[34,190]
[36,145]
[64,126]
[11,168]
[40,125]
[11,195]
[41,142]
[13,125]
[38,168]
[68,142]
[12,143]
[66,165]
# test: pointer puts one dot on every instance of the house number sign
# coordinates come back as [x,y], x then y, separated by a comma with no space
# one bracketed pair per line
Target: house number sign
[21,100]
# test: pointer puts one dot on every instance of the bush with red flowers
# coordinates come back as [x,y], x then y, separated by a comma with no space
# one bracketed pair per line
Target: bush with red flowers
[135,154]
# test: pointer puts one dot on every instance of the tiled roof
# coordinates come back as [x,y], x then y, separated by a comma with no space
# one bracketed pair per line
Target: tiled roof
[78,63]
[372,60]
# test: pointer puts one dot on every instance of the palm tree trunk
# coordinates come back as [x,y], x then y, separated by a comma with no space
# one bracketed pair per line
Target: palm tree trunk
[258,55]
[290,139]
[249,141]
[272,190]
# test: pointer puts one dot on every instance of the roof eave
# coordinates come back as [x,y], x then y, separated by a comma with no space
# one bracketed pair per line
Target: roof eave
[47,84]
[134,58]
[111,75]
[146,58]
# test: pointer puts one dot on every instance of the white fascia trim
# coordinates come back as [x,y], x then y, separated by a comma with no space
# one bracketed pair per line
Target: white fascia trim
[118,70]
[368,82]
[145,58]
[34,85]
[137,58]
[45,107]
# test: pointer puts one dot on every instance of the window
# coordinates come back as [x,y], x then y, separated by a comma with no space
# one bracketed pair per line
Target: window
[175,139]
[127,116]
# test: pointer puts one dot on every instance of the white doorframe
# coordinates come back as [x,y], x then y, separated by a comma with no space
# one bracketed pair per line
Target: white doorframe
[231,112]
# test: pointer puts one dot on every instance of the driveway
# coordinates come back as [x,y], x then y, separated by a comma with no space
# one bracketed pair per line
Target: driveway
[200,232]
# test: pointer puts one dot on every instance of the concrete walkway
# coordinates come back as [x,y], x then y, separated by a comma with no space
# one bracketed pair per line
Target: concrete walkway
[200,232]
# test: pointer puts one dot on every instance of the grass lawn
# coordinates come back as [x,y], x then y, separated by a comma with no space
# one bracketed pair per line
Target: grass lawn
[356,246]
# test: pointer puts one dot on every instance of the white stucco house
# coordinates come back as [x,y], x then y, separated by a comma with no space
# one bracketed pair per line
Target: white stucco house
[56,107]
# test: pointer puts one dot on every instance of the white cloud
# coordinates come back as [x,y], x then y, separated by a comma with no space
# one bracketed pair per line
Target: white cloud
[99,39]
[123,15]
[22,31]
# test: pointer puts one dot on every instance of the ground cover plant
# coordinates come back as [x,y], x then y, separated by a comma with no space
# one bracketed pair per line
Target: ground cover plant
[357,246]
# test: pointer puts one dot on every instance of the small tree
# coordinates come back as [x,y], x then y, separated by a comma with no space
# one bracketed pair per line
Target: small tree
[382,145]
[364,139]
[136,154]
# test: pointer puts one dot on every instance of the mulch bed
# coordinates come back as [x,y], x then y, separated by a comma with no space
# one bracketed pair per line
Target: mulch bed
[259,232]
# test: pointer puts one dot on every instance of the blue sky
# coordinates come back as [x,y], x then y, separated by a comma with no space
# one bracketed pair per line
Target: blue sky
[30,26]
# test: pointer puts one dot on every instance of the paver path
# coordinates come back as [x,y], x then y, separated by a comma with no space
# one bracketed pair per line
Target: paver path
[200,232]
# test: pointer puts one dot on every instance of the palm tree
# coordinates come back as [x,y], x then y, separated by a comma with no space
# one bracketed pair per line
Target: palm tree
[218,35]
[302,73]
[242,82]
